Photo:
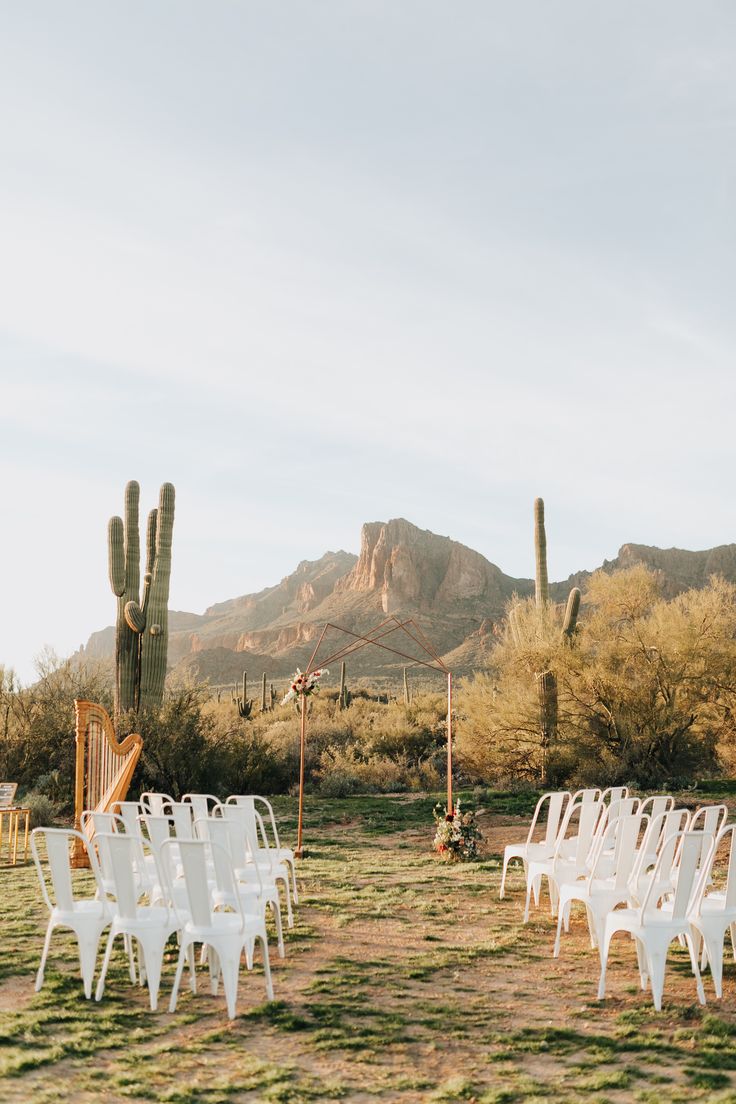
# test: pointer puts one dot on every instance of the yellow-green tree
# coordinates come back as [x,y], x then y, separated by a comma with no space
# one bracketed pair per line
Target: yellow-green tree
[646,689]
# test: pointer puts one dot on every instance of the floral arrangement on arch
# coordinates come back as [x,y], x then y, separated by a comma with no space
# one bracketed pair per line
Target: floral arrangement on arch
[456,835]
[302,685]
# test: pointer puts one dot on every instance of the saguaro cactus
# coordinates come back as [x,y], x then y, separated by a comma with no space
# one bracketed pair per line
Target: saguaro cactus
[245,704]
[142,631]
[344,697]
[264,704]
[407,692]
[546,681]
[541,587]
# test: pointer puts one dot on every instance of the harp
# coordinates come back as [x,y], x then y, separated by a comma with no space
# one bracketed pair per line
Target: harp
[104,766]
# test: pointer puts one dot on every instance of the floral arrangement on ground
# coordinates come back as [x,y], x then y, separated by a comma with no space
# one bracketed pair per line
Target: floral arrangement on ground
[456,835]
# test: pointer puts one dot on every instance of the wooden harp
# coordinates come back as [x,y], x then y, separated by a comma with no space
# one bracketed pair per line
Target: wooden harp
[104,767]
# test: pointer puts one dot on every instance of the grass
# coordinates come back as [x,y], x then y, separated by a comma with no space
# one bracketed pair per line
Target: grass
[405,980]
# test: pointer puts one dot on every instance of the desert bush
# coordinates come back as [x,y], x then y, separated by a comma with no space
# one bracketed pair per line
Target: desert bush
[43,811]
[646,690]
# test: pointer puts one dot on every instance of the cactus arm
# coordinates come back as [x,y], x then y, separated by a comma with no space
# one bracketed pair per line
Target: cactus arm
[151,526]
[135,617]
[541,589]
[154,646]
[571,614]
[132,540]
[116,556]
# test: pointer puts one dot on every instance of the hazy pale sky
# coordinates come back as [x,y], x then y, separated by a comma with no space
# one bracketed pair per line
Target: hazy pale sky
[319,263]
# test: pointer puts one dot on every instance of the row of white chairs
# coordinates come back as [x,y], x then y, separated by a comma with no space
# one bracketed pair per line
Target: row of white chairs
[207,879]
[640,866]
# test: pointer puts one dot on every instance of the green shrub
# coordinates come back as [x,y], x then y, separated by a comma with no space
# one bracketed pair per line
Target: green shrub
[43,810]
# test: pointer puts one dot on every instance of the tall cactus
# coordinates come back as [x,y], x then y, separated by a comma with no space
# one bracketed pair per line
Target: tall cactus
[546,680]
[142,630]
[244,704]
[407,692]
[264,705]
[124,567]
[344,697]
[541,581]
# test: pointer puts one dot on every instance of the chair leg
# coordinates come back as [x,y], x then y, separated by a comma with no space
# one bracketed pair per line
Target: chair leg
[289,913]
[295,891]
[560,919]
[87,960]
[715,958]
[267,967]
[503,878]
[192,968]
[657,963]
[44,956]
[183,949]
[105,963]
[230,971]
[641,959]
[152,951]
[276,906]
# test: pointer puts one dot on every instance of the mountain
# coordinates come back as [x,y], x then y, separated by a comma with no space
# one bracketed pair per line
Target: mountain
[454,594]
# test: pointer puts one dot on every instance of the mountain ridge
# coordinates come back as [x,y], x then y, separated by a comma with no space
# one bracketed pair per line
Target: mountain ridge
[454,594]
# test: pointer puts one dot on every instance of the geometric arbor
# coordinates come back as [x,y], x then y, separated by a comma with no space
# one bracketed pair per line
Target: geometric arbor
[411,636]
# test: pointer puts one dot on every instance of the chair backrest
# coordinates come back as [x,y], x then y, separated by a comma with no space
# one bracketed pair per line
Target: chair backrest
[727,833]
[155,803]
[200,804]
[268,807]
[627,832]
[659,803]
[181,814]
[690,858]
[100,822]
[158,829]
[199,859]
[129,812]
[247,818]
[583,817]
[556,804]
[615,793]
[707,821]
[59,842]
[583,796]
[123,855]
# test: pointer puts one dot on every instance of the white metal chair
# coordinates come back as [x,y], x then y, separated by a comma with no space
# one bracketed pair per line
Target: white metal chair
[86,917]
[654,928]
[257,891]
[265,858]
[542,849]
[150,925]
[284,854]
[226,934]
[713,914]
[608,884]
[571,859]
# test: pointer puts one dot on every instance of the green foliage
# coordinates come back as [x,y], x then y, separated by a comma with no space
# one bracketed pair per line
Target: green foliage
[43,811]
[37,747]
[646,688]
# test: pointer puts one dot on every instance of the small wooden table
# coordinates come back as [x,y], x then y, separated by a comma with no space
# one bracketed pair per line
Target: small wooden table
[14,813]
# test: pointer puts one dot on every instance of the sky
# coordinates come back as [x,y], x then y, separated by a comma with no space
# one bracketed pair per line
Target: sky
[321,263]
